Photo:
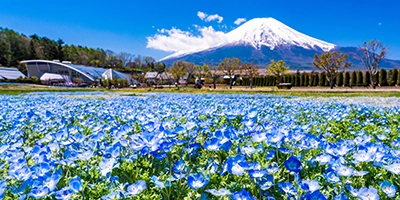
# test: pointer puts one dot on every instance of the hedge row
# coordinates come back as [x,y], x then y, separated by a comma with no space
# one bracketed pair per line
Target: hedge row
[354,78]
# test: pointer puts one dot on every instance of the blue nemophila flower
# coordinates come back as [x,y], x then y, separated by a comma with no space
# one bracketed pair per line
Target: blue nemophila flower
[366,193]
[65,193]
[76,184]
[293,164]
[342,170]
[220,192]
[252,113]
[259,136]
[359,173]
[331,177]
[179,167]
[257,173]
[248,150]
[159,155]
[341,196]
[316,195]
[270,155]
[196,181]
[236,165]
[39,192]
[272,168]
[287,188]
[363,156]
[312,185]
[266,182]
[42,168]
[160,184]
[323,159]
[242,195]
[388,188]
[107,165]
[3,185]
[394,168]
[136,188]
[49,180]
[212,145]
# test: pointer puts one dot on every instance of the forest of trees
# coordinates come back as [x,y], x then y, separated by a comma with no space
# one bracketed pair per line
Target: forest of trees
[15,47]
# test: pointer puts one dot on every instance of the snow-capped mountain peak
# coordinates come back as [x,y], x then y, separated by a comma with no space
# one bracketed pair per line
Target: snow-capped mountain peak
[272,33]
[259,32]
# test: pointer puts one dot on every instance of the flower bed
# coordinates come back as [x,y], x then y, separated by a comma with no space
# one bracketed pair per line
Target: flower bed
[181,146]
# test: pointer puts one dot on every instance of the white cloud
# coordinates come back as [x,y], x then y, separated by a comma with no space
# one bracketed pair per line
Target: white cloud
[201,15]
[239,21]
[380,23]
[176,40]
[208,18]
[214,17]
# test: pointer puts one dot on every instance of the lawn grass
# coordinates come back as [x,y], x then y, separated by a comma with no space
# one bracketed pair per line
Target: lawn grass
[274,91]
[15,90]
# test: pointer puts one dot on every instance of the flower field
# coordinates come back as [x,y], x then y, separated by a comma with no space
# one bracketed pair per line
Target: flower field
[183,146]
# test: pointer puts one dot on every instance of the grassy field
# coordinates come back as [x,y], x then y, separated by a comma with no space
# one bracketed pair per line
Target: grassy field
[303,92]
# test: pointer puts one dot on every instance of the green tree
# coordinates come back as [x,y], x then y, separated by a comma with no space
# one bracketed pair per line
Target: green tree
[398,78]
[383,78]
[354,78]
[202,70]
[360,78]
[229,66]
[373,53]
[394,77]
[277,69]
[160,68]
[297,77]
[367,80]
[347,79]
[340,78]
[177,70]
[60,51]
[331,63]
[322,79]
[251,72]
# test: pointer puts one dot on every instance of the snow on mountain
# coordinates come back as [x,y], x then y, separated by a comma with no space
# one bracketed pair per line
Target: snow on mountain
[267,32]
[272,33]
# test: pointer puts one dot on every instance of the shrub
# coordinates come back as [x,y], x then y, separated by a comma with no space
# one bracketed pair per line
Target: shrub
[383,78]
[376,79]
[323,81]
[354,78]
[398,78]
[360,78]
[339,79]
[394,77]
[367,80]
[347,79]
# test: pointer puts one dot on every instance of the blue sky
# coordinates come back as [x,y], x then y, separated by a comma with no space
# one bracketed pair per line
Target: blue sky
[126,25]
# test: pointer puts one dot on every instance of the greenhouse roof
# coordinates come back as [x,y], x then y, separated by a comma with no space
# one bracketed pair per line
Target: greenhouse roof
[10,73]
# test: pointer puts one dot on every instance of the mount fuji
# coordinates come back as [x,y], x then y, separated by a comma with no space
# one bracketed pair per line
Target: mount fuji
[263,39]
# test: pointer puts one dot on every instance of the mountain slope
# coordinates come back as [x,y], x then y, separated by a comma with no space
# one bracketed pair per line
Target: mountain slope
[263,39]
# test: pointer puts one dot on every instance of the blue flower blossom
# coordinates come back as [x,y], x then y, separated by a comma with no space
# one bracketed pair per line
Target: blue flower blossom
[388,188]
[220,192]
[242,195]
[136,188]
[196,181]
[293,164]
